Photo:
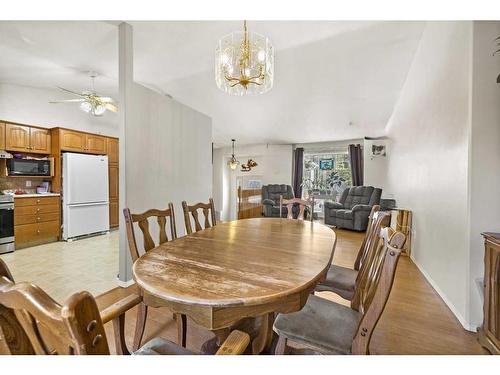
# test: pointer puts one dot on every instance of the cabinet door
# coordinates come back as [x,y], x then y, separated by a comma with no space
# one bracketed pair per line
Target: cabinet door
[72,141]
[2,136]
[113,150]
[17,138]
[113,213]
[95,144]
[113,181]
[40,140]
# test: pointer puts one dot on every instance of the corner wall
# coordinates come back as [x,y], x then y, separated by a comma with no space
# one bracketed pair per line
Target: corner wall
[427,167]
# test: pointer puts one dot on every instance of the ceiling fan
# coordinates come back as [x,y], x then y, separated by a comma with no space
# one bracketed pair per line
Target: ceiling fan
[90,101]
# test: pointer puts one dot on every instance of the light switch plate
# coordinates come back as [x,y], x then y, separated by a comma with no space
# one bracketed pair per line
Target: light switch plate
[28,183]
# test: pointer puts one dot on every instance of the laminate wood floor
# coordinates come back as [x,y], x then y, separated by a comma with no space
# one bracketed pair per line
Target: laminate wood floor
[415,321]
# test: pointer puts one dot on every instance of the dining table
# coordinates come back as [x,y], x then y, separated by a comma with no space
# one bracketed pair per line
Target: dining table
[237,271]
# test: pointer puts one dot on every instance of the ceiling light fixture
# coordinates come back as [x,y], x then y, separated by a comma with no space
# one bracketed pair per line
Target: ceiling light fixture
[233,162]
[244,63]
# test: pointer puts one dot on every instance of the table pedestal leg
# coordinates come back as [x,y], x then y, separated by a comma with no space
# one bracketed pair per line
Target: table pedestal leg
[264,340]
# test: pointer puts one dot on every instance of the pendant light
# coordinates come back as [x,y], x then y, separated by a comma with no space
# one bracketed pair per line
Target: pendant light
[233,162]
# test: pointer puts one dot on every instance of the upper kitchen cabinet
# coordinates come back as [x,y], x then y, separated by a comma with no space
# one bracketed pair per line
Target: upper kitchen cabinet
[2,135]
[27,139]
[71,140]
[113,150]
[95,144]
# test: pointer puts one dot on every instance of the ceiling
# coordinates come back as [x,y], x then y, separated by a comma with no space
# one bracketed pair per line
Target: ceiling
[333,80]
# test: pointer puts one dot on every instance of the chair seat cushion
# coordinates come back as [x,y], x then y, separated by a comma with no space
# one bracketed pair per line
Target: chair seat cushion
[340,280]
[321,323]
[161,346]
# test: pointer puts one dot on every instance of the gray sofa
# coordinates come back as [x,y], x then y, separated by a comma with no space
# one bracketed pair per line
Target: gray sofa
[353,209]
[271,199]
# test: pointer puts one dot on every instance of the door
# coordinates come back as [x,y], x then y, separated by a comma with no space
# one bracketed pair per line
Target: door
[2,136]
[112,150]
[17,138]
[72,141]
[85,219]
[85,178]
[40,140]
[113,213]
[95,144]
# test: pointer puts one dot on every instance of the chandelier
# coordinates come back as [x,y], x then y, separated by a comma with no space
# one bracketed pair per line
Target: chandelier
[233,162]
[244,63]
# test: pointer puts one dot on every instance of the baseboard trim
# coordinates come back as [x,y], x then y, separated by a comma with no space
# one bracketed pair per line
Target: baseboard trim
[125,284]
[467,326]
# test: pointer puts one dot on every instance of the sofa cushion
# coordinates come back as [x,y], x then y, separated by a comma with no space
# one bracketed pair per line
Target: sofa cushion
[321,323]
[341,214]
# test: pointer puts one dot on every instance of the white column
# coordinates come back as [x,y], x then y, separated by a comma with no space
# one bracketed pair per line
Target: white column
[126,75]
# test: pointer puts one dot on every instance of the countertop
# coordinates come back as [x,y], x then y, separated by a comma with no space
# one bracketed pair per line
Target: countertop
[36,195]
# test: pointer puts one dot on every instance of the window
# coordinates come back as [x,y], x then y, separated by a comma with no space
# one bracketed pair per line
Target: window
[326,173]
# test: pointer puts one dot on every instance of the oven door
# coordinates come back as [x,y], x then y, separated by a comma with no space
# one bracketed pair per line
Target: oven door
[6,223]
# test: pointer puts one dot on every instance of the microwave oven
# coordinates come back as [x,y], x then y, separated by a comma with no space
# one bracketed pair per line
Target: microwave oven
[29,167]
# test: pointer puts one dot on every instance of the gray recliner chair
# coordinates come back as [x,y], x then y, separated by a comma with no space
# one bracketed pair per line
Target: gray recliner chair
[354,207]
[271,199]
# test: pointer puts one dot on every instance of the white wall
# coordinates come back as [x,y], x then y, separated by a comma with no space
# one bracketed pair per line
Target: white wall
[427,165]
[484,157]
[29,105]
[274,167]
[168,154]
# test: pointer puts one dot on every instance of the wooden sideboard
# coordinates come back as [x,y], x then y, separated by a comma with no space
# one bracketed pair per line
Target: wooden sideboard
[489,333]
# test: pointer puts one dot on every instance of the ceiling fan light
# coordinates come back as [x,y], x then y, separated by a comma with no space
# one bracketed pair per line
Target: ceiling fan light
[86,107]
[99,110]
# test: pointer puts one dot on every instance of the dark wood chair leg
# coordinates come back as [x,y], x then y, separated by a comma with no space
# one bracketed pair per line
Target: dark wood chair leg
[119,331]
[181,329]
[281,345]
[140,325]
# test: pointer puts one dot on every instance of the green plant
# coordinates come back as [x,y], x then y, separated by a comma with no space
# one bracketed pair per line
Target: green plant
[334,180]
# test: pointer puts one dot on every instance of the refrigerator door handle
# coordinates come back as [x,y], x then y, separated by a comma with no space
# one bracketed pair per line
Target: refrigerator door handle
[87,204]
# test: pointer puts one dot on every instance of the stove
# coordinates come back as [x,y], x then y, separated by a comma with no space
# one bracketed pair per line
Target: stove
[6,223]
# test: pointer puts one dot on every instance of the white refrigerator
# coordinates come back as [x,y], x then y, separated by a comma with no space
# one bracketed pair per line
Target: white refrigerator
[85,194]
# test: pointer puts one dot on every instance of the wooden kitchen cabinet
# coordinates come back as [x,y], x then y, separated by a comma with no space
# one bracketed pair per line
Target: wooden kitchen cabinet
[36,220]
[2,135]
[95,144]
[489,333]
[40,141]
[23,138]
[17,138]
[114,213]
[112,149]
[113,181]
[72,140]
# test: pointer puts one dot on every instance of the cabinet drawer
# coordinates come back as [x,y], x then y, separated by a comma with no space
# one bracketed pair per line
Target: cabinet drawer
[35,232]
[32,219]
[36,201]
[35,210]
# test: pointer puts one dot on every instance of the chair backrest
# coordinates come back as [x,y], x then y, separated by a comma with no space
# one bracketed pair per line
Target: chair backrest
[360,195]
[33,323]
[363,250]
[274,192]
[289,203]
[142,219]
[376,291]
[208,211]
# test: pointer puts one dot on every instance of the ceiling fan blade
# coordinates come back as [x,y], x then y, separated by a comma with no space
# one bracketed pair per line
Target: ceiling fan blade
[68,101]
[106,99]
[111,107]
[69,91]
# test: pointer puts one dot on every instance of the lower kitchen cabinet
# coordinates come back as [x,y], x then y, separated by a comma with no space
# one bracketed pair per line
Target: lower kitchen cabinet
[114,213]
[36,220]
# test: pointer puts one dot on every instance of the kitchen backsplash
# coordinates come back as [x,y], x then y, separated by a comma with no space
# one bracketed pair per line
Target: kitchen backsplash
[19,183]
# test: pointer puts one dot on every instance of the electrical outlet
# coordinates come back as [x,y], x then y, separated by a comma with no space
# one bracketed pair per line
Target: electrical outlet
[28,183]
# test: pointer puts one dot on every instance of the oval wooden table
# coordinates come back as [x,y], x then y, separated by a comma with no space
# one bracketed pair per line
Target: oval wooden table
[241,269]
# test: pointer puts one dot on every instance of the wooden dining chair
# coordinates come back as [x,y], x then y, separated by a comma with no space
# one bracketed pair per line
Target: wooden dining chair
[330,328]
[31,322]
[142,219]
[208,212]
[343,280]
[303,204]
